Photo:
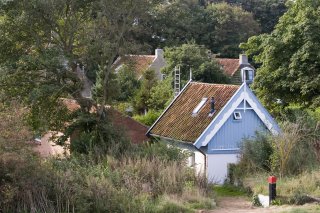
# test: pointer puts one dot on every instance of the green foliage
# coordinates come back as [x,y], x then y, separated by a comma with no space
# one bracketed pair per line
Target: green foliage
[256,201]
[85,183]
[161,150]
[128,83]
[289,57]
[228,27]
[220,27]
[161,95]
[255,154]
[265,12]
[140,101]
[194,57]
[229,191]
[149,118]
[91,134]
[292,152]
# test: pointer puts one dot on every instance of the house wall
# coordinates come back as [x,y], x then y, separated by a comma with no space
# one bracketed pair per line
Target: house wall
[196,158]
[217,169]
[233,132]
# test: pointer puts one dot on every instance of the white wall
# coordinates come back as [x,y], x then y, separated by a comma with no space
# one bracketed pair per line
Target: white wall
[217,166]
[196,159]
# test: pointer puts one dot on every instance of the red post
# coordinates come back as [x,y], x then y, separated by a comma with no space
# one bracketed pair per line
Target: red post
[272,188]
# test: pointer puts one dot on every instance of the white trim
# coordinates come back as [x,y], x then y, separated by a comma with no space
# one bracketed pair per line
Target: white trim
[223,120]
[224,107]
[244,96]
[261,115]
[175,98]
[224,150]
[237,115]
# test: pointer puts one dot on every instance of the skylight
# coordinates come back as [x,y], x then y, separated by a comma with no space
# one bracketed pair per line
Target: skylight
[199,106]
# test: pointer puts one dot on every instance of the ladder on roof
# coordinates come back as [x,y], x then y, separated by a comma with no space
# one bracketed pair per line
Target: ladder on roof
[176,80]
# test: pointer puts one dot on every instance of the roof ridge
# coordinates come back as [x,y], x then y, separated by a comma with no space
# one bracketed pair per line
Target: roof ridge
[140,55]
[228,58]
[214,84]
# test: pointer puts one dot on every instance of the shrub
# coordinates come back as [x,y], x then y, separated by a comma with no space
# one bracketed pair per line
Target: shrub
[255,155]
[149,118]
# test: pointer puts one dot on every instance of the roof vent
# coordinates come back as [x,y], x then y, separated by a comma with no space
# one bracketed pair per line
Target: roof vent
[212,108]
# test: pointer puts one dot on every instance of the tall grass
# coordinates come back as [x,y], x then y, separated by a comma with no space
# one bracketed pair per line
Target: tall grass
[80,184]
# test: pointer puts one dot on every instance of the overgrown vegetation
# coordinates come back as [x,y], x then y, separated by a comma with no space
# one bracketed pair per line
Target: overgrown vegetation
[146,178]
[292,156]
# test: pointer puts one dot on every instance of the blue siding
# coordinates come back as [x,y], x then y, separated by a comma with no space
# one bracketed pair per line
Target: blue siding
[232,133]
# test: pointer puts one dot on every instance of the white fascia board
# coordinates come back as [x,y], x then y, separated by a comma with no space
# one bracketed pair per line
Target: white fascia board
[222,111]
[247,95]
[263,114]
[175,98]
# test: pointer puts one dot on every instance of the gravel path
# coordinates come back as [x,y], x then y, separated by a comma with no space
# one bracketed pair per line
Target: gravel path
[243,205]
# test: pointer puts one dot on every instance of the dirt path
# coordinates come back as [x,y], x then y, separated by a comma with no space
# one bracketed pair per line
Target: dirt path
[243,205]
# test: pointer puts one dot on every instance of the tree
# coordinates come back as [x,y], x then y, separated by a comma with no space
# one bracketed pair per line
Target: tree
[177,22]
[140,102]
[45,43]
[196,58]
[127,82]
[220,27]
[227,26]
[289,57]
[265,12]
[161,95]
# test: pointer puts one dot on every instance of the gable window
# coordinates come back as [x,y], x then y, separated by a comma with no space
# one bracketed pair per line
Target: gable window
[237,116]
[199,106]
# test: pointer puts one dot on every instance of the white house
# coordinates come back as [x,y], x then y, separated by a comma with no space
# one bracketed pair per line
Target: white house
[141,63]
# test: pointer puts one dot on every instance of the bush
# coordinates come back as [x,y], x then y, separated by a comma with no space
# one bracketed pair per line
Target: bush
[149,118]
[255,155]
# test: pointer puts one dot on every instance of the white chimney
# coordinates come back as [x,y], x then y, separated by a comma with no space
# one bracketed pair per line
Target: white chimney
[159,53]
[243,59]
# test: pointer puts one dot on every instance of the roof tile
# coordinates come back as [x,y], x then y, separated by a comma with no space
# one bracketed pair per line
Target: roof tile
[178,122]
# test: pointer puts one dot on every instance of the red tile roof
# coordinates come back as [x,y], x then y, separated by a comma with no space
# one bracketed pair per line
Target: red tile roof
[140,62]
[178,122]
[229,65]
[133,129]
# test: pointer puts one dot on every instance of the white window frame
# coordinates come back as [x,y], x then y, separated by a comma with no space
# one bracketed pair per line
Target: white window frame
[237,115]
[199,106]
[249,75]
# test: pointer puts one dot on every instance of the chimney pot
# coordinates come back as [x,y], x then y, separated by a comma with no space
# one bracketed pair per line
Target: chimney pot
[243,59]
[159,53]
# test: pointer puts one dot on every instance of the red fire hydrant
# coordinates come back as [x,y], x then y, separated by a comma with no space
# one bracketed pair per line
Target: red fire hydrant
[272,188]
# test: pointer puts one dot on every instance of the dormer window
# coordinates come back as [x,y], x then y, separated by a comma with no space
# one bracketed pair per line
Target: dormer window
[247,74]
[199,106]
[237,116]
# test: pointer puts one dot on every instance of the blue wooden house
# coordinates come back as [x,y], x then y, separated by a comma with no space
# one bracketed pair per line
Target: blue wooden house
[211,121]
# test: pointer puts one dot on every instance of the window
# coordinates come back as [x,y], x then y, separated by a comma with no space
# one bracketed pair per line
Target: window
[249,75]
[199,106]
[237,116]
